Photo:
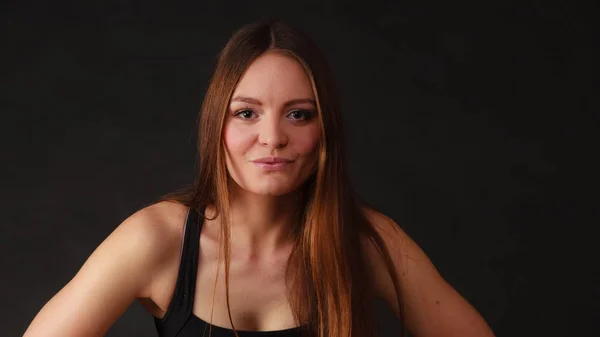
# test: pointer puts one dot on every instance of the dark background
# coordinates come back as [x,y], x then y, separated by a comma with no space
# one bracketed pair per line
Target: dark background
[470,124]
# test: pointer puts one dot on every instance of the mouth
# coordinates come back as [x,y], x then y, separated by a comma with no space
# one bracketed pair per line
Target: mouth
[271,160]
[272,163]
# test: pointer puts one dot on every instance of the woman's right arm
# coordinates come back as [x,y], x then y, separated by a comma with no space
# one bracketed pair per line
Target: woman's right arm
[116,273]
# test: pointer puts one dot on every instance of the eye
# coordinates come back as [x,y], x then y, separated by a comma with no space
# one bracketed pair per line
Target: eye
[300,115]
[244,113]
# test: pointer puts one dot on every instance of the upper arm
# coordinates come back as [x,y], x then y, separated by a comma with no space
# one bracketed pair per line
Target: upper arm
[113,276]
[433,308]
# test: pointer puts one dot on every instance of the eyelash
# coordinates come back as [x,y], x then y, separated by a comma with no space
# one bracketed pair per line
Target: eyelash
[307,113]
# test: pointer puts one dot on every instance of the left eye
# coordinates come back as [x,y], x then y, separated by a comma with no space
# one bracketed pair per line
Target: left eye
[300,114]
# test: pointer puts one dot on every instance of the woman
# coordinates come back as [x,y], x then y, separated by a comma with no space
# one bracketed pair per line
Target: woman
[270,240]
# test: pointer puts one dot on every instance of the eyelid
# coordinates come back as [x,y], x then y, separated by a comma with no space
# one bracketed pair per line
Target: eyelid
[309,114]
[237,112]
[310,111]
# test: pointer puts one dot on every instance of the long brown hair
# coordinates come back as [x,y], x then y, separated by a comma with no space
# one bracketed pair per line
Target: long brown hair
[329,288]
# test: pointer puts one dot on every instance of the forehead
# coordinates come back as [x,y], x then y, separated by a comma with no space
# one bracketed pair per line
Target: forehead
[274,77]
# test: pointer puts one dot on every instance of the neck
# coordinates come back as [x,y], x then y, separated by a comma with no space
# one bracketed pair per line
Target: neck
[260,224]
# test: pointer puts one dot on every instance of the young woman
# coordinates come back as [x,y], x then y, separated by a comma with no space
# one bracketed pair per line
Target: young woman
[270,240]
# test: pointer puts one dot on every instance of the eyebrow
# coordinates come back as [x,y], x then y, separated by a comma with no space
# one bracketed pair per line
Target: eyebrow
[254,101]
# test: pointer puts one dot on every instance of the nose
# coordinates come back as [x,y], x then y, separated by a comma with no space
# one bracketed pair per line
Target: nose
[271,132]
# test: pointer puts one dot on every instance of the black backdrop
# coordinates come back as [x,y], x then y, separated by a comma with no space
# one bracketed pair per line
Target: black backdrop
[469,124]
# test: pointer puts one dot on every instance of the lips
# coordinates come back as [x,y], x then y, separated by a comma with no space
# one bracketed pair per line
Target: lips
[271,160]
[272,163]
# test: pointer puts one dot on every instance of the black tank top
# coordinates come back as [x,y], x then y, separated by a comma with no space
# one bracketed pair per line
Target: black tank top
[180,321]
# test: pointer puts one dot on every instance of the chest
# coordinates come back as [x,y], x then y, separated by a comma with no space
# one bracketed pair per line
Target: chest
[257,293]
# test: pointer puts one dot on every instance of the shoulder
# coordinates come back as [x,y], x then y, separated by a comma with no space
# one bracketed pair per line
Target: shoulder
[122,268]
[410,263]
[155,232]
[402,249]
[394,241]
[145,244]
[156,222]
[152,237]
[390,231]
[432,306]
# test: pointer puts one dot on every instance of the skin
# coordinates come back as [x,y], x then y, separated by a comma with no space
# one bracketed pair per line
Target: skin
[140,259]
[272,114]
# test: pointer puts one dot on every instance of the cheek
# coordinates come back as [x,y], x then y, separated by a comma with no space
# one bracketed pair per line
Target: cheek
[306,141]
[237,140]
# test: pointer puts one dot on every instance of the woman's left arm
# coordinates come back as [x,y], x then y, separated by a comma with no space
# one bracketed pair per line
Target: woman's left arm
[433,307]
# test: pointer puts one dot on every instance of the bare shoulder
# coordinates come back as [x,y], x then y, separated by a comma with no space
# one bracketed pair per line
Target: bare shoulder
[432,306]
[120,270]
[152,234]
[403,250]
[155,233]
[394,240]
[158,226]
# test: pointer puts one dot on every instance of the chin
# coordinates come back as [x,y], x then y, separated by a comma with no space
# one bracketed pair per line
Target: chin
[272,187]
[272,191]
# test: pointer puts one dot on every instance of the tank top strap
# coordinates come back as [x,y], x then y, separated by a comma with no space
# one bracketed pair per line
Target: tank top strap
[182,302]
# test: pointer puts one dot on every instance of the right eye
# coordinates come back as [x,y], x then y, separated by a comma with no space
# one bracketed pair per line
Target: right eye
[244,113]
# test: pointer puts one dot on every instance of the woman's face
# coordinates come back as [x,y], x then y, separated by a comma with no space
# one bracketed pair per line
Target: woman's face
[271,132]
